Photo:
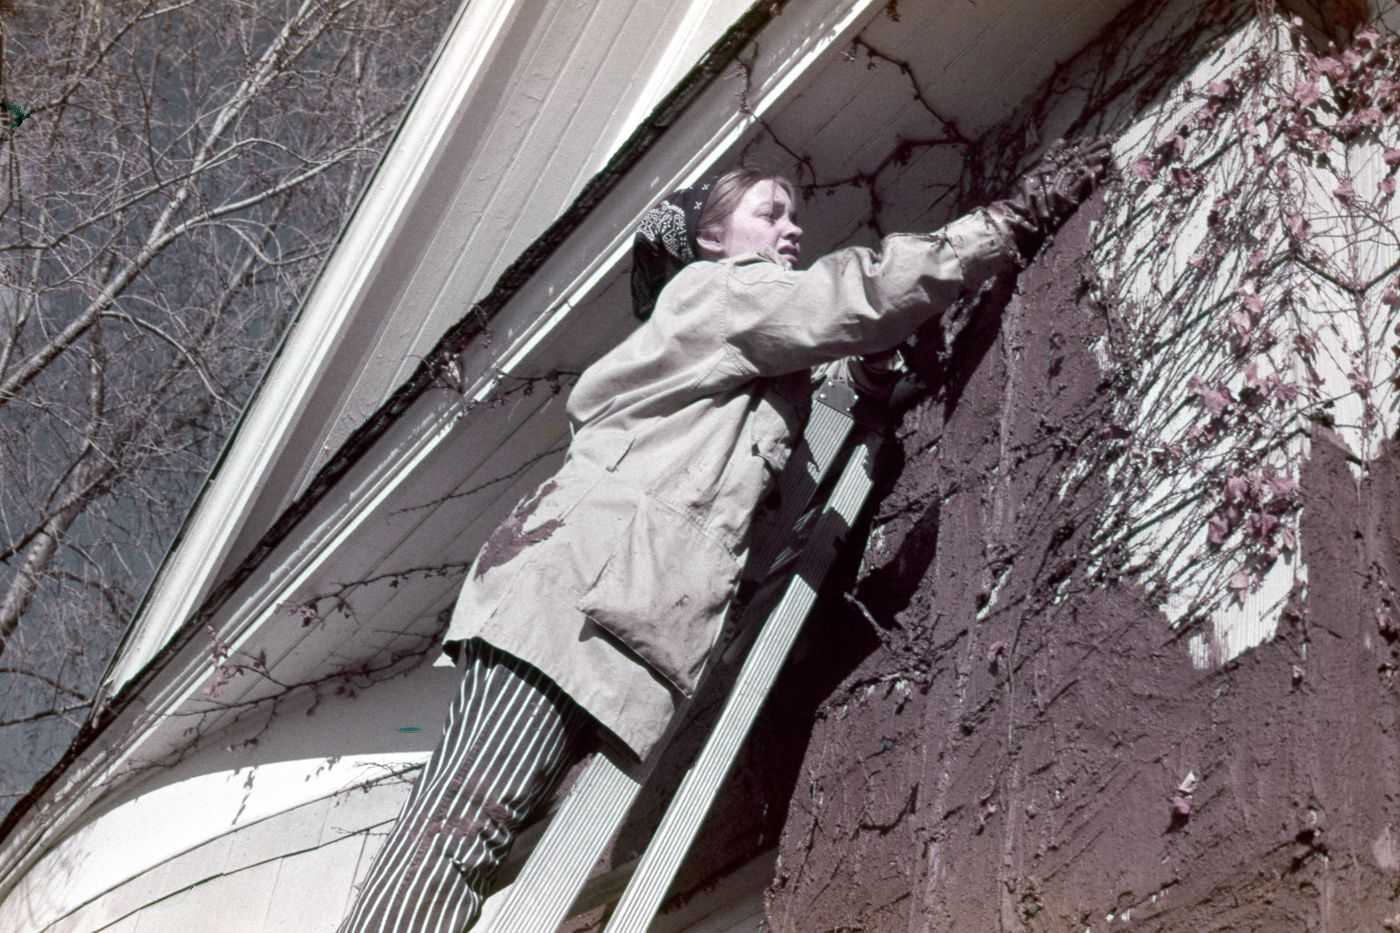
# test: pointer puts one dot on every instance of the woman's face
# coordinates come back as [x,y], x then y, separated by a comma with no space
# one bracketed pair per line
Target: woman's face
[763,217]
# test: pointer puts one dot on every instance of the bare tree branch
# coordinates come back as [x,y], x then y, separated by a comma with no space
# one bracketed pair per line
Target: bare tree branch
[165,205]
[44,679]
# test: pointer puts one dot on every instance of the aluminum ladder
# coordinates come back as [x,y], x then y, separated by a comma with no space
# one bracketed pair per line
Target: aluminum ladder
[594,809]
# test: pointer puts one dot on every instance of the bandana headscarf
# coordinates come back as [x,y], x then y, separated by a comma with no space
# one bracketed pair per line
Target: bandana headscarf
[665,242]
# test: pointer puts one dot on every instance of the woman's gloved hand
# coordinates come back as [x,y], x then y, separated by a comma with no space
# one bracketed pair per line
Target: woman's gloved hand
[1052,190]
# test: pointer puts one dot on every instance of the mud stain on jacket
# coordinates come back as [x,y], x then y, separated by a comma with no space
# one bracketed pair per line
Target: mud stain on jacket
[510,536]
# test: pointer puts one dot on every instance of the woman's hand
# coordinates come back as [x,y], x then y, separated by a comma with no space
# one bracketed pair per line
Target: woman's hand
[1052,190]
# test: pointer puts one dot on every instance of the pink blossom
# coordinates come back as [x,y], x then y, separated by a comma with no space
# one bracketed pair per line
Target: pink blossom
[1216,400]
[1260,526]
[1241,324]
[1241,581]
[1330,67]
[1217,529]
[1143,168]
[1344,191]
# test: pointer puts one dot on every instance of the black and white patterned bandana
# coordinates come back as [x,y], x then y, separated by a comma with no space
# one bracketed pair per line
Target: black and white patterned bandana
[665,242]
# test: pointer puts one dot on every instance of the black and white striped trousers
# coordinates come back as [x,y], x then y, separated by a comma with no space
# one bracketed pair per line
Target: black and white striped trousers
[509,735]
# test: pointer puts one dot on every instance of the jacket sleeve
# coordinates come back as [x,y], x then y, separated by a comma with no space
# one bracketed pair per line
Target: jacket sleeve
[855,301]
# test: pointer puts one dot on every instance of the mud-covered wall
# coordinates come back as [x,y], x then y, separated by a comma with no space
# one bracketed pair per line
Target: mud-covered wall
[1175,431]
[1028,764]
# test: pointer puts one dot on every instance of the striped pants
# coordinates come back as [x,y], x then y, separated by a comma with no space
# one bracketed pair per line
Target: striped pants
[509,735]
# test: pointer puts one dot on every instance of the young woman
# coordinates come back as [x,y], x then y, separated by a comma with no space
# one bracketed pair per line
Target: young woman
[592,609]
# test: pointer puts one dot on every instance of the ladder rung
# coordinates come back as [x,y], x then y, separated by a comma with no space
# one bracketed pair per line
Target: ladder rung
[822,440]
[541,896]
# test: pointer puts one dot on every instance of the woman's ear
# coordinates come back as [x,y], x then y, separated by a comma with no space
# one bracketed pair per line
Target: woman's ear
[710,247]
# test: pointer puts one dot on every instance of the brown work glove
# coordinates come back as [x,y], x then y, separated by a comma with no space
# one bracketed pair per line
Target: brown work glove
[1052,190]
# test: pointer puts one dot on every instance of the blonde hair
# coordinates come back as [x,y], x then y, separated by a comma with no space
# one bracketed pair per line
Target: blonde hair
[729,190]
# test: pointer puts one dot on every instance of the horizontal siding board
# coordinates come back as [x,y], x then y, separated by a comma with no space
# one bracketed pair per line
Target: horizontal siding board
[136,900]
[520,195]
[208,906]
[553,55]
[1035,58]
[312,890]
[273,837]
[645,37]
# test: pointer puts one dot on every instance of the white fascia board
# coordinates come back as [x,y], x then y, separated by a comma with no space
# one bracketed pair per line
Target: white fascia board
[681,50]
[188,574]
[576,269]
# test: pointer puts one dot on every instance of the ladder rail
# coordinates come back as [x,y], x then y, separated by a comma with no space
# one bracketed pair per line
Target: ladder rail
[548,884]
[591,813]
[691,804]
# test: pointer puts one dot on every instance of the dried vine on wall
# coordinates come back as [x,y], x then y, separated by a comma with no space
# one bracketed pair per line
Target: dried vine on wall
[1246,273]
[1249,263]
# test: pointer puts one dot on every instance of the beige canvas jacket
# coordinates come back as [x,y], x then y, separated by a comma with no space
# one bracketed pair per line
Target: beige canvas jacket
[614,576]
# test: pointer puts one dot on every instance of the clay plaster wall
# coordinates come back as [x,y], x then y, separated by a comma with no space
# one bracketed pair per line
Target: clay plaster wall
[1132,574]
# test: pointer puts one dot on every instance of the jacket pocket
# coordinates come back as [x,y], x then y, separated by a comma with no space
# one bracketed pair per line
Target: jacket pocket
[663,592]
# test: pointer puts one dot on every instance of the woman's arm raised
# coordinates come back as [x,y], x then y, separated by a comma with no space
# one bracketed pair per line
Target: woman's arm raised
[855,301]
